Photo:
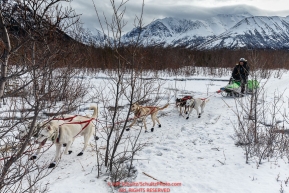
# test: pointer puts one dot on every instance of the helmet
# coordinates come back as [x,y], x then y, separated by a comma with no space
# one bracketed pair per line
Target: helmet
[242,60]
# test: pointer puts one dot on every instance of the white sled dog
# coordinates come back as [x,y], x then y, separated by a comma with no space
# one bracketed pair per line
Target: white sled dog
[196,104]
[24,133]
[46,124]
[65,133]
[54,122]
[143,112]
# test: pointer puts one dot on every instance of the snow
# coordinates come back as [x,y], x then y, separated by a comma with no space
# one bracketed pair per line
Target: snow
[198,153]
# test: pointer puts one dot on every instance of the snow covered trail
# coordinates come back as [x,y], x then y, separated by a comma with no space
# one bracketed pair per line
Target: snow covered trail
[74,174]
[199,153]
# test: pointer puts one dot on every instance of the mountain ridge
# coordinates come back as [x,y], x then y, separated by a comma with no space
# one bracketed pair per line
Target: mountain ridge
[230,31]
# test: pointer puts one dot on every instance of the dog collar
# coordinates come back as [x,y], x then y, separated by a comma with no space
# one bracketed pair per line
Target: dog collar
[54,137]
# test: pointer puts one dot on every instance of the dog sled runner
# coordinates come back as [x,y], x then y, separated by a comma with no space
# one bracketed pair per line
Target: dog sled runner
[233,88]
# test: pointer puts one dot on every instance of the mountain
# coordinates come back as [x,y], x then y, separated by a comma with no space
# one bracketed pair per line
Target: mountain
[253,32]
[95,38]
[21,21]
[231,31]
[183,32]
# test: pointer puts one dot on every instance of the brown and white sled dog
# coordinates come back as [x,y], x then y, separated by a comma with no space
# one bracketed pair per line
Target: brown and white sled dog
[65,133]
[144,111]
[196,104]
[181,103]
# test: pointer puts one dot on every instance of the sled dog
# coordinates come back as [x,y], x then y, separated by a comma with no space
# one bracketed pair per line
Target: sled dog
[65,133]
[144,111]
[181,103]
[196,104]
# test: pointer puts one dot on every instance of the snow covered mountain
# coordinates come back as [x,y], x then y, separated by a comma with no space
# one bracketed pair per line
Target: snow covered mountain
[96,38]
[183,32]
[231,31]
[253,32]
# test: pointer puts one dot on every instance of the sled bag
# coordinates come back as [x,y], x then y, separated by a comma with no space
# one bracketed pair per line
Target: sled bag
[252,84]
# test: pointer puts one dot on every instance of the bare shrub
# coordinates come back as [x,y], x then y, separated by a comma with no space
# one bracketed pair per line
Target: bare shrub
[36,47]
[259,121]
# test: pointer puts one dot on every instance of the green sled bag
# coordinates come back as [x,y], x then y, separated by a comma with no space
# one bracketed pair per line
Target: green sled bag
[252,84]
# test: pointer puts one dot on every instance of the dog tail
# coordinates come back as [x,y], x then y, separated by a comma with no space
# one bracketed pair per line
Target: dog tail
[95,111]
[164,106]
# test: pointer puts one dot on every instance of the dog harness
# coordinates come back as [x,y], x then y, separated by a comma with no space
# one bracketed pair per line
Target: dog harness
[152,110]
[186,98]
[65,119]
[182,101]
[80,122]
[52,137]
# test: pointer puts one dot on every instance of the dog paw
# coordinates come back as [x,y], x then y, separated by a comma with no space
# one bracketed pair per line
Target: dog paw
[152,129]
[187,118]
[52,165]
[69,152]
[199,116]
[64,145]
[160,125]
[80,154]
[33,157]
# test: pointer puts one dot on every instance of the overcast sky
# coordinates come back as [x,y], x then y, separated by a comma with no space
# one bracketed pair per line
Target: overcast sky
[187,9]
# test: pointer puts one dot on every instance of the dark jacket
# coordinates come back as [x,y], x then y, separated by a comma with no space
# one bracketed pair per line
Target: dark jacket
[241,71]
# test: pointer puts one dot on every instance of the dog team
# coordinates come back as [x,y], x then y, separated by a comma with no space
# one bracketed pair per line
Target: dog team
[63,130]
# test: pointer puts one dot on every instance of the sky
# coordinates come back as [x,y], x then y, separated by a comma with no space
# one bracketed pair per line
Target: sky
[183,9]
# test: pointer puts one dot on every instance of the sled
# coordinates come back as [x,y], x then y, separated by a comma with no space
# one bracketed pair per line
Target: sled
[233,88]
